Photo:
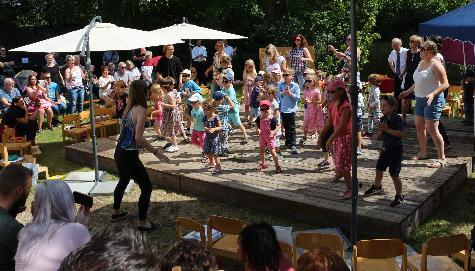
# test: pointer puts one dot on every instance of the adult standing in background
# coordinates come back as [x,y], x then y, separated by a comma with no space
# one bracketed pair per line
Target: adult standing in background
[299,56]
[169,65]
[138,57]
[346,58]
[274,61]
[397,63]
[216,66]
[199,55]
[74,76]
[412,61]
[229,50]
[6,65]
[110,57]
[53,69]
[430,81]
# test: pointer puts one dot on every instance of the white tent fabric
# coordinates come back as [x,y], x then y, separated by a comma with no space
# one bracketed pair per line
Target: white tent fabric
[193,32]
[103,37]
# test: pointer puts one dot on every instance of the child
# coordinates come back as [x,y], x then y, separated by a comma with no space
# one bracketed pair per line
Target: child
[157,99]
[229,91]
[359,117]
[374,109]
[267,127]
[289,95]
[255,92]
[326,104]
[197,113]
[248,76]
[270,96]
[188,88]
[339,118]
[171,119]
[212,126]
[223,110]
[178,109]
[313,116]
[391,128]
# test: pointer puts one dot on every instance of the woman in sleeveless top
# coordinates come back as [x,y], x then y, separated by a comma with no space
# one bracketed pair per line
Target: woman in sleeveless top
[216,67]
[74,76]
[131,141]
[430,81]
[346,57]
[299,56]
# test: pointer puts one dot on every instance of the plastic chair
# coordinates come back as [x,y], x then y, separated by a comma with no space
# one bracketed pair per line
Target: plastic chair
[227,245]
[379,255]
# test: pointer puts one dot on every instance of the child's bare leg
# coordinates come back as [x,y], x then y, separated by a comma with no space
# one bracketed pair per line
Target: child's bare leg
[347,177]
[173,140]
[217,161]
[262,155]
[274,157]
[210,159]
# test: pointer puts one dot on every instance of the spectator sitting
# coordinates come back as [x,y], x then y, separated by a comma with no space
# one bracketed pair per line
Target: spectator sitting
[120,249]
[17,117]
[259,248]
[38,100]
[7,94]
[122,73]
[52,234]
[106,82]
[134,73]
[111,68]
[118,98]
[15,184]
[189,255]
[322,259]
[57,105]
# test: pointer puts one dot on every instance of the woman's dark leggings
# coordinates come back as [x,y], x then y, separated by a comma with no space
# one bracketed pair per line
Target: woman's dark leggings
[130,166]
[325,138]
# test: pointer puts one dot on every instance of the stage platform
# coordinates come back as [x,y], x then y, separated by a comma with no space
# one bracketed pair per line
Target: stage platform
[301,192]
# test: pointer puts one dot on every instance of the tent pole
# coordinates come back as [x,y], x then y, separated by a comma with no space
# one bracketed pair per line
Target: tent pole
[354,105]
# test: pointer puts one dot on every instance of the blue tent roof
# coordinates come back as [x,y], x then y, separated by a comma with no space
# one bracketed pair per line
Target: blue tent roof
[456,24]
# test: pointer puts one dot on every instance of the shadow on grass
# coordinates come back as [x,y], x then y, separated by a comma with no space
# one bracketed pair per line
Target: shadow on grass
[53,156]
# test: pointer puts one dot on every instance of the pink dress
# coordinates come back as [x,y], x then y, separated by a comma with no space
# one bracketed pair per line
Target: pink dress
[158,115]
[40,101]
[313,119]
[265,139]
[342,143]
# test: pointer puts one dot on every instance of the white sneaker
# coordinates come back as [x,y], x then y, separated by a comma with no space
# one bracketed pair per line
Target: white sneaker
[171,149]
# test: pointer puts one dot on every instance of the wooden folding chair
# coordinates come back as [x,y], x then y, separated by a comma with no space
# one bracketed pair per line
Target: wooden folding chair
[70,128]
[4,153]
[313,240]
[379,255]
[287,250]
[105,117]
[227,245]
[436,251]
[183,223]
[14,143]
[461,256]
[84,122]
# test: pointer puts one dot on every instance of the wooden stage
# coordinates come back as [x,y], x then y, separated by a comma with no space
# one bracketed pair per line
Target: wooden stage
[302,192]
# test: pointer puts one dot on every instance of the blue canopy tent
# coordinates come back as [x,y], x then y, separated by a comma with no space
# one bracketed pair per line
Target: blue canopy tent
[456,24]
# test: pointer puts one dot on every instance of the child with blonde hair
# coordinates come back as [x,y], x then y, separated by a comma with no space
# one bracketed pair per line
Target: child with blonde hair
[374,106]
[171,119]
[212,126]
[157,113]
[267,127]
[313,116]
[248,76]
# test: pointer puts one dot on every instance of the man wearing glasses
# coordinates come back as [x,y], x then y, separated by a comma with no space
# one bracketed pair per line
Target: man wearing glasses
[58,106]
[122,74]
[6,65]
[7,93]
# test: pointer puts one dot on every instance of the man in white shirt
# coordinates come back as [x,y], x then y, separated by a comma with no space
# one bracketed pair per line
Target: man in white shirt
[397,63]
[229,50]
[122,74]
[199,55]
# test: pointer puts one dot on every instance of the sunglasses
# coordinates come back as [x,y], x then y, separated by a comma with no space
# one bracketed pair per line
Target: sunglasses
[226,82]
[49,77]
[185,75]
[123,87]
[286,74]
[122,67]
[423,48]
[308,81]
[264,108]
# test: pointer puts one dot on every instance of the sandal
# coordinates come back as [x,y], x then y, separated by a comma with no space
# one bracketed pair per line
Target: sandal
[302,141]
[209,166]
[261,166]
[217,170]
[419,156]
[345,195]
[438,163]
[204,159]
[336,179]
[278,169]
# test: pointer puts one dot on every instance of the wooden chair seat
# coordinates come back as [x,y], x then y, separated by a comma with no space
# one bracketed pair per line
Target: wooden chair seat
[434,263]
[377,264]
[226,246]
[287,250]
[14,143]
[461,257]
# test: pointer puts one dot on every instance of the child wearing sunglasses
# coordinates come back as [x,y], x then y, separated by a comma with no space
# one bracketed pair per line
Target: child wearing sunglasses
[267,127]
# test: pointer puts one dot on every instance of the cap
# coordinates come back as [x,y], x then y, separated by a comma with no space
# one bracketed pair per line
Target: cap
[186,71]
[336,84]
[276,70]
[259,78]
[218,95]
[265,103]
[196,98]
[228,76]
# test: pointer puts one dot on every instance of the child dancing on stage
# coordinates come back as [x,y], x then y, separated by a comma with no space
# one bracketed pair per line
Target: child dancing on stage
[267,127]
[212,126]
[374,107]
[222,110]
[157,99]
[313,118]
[326,104]
[340,118]
[391,129]
[197,115]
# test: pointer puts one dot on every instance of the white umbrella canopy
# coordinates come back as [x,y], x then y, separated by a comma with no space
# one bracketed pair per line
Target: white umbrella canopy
[193,32]
[103,37]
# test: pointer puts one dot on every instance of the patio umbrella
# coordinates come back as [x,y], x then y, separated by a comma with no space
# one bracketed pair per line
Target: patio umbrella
[190,32]
[21,79]
[98,36]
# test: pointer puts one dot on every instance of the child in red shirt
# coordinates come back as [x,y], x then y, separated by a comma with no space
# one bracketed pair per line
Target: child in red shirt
[267,126]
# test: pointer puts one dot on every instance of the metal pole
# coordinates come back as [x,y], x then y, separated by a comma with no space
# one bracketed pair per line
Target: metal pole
[87,48]
[354,105]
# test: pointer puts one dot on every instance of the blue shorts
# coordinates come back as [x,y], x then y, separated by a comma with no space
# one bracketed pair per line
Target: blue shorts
[254,111]
[432,111]
[390,158]
[233,116]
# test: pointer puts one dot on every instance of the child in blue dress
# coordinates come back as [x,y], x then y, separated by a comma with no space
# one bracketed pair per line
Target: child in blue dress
[212,126]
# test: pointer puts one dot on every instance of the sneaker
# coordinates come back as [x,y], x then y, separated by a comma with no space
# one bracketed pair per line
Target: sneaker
[302,141]
[398,201]
[217,170]
[244,141]
[171,149]
[373,190]
[293,150]
[324,164]
[359,151]
[167,146]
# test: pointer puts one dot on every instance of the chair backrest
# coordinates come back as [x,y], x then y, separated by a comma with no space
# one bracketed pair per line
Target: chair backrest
[84,116]
[380,249]
[8,135]
[445,246]
[70,119]
[314,240]
[455,90]
[183,223]
[287,250]
[224,225]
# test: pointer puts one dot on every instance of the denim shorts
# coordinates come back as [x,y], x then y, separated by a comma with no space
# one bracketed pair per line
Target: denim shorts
[432,111]
[254,111]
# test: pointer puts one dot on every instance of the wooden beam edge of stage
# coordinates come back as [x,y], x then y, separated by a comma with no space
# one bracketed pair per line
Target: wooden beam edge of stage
[211,187]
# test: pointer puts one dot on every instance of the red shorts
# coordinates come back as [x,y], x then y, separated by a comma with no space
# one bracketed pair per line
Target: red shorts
[198,138]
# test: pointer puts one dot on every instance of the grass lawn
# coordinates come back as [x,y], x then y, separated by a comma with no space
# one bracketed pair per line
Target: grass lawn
[455,215]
